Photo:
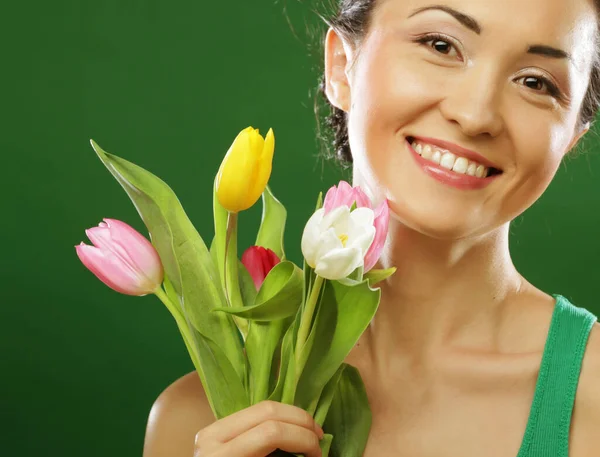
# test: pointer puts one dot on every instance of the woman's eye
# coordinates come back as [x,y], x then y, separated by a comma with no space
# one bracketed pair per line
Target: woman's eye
[439,44]
[540,84]
[533,83]
[442,46]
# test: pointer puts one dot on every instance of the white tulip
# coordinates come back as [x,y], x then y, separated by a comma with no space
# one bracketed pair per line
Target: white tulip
[335,244]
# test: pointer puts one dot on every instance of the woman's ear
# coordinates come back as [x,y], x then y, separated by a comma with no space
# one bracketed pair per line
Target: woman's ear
[578,137]
[337,58]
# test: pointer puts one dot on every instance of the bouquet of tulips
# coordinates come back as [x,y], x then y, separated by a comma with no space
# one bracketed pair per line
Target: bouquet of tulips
[257,327]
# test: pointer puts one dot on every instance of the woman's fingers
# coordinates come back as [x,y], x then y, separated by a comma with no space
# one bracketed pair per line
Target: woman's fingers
[268,436]
[231,426]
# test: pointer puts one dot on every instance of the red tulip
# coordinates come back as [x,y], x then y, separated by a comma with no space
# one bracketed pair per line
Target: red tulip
[259,261]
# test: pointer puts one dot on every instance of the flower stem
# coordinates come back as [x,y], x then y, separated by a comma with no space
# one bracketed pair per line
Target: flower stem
[231,226]
[306,321]
[231,281]
[183,325]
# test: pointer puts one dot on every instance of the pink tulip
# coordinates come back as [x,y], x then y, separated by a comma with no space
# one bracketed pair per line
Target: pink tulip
[259,261]
[122,258]
[345,194]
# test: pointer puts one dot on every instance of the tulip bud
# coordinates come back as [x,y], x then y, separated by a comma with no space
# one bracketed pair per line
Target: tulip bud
[259,261]
[122,258]
[245,170]
[338,239]
[335,244]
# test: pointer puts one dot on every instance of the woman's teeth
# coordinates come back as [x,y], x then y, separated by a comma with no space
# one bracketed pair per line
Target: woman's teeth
[450,161]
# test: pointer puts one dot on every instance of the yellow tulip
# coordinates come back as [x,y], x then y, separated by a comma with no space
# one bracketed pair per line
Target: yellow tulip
[245,170]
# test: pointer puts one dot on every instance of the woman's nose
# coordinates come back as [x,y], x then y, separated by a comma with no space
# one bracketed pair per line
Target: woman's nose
[473,103]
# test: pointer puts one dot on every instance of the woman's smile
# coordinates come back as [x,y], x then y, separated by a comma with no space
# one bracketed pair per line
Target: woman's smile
[450,169]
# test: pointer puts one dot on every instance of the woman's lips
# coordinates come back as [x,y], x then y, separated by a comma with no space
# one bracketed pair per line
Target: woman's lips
[457,150]
[449,177]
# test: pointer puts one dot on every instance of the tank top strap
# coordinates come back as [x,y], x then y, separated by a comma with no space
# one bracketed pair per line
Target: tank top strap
[547,432]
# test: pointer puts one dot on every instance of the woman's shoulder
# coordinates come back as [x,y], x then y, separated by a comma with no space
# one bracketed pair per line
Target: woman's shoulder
[586,413]
[179,412]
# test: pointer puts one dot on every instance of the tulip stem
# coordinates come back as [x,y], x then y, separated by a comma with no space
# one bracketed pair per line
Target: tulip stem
[231,226]
[160,293]
[231,281]
[306,321]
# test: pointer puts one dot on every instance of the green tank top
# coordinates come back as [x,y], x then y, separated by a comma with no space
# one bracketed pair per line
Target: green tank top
[547,431]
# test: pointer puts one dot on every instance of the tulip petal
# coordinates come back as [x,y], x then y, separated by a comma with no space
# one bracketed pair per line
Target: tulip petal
[251,259]
[329,199]
[109,269]
[363,241]
[259,261]
[257,142]
[341,195]
[339,263]
[264,167]
[381,224]
[101,238]
[338,216]
[361,198]
[310,237]
[236,172]
[328,241]
[363,217]
[270,260]
[141,251]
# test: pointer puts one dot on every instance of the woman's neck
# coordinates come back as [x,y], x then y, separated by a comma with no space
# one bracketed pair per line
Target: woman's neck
[442,295]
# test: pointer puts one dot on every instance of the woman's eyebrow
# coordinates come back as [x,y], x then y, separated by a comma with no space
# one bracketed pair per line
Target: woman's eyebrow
[466,20]
[470,23]
[549,51]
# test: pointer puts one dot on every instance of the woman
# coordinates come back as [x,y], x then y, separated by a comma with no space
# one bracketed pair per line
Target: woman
[465,357]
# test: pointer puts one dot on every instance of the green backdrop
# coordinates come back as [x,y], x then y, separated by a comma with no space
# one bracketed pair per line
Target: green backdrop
[167,85]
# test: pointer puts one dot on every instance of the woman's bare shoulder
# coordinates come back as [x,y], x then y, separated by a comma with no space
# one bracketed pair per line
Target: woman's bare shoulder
[179,412]
[586,413]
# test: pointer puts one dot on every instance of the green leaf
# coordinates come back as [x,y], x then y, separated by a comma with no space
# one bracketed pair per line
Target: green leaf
[207,357]
[343,314]
[286,382]
[264,340]
[319,201]
[327,395]
[272,225]
[375,276]
[227,392]
[349,418]
[357,275]
[186,260]
[275,305]
[247,287]
[279,296]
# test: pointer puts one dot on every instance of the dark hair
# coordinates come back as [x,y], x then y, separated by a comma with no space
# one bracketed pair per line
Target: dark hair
[351,20]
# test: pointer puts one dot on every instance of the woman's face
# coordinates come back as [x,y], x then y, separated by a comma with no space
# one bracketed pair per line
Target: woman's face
[504,79]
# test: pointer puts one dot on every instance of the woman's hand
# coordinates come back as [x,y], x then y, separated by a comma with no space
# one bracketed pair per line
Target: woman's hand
[259,430]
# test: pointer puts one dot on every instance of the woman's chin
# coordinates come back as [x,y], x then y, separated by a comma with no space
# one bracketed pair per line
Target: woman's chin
[436,223]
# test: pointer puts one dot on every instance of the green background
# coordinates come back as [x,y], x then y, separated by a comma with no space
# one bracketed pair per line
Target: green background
[168,85]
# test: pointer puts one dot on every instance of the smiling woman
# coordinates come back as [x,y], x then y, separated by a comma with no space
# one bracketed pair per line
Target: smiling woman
[460,114]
